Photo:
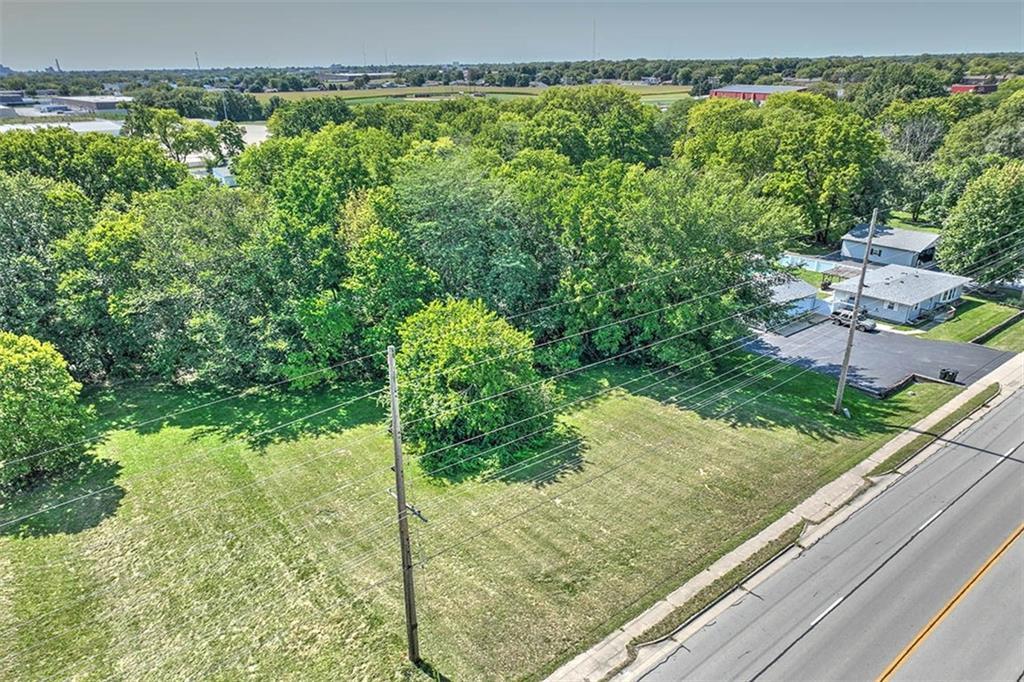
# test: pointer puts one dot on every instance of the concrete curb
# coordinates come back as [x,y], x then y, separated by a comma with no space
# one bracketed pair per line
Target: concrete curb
[824,510]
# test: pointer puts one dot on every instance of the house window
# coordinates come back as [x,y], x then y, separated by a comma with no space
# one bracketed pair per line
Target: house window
[876,251]
[889,305]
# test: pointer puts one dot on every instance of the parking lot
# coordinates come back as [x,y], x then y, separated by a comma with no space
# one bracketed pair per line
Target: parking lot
[881,361]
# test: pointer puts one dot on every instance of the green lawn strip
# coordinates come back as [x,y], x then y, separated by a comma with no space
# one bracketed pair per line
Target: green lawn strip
[705,597]
[974,316]
[225,551]
[903,220]
[923,440]
[1011,338]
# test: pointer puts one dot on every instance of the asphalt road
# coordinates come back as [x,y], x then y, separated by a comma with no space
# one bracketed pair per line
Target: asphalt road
[848,607]
[880,360]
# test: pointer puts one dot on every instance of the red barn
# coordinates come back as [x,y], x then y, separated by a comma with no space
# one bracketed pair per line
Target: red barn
[976,88]
[754,93]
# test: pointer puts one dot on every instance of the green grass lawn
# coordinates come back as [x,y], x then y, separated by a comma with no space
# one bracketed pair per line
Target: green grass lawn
[218,550]
[1011,338]
[814,279]
[902,219]
[973,317]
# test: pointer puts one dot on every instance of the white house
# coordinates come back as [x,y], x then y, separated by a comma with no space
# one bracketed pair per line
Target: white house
[798,296]
[891,245]
[898,293]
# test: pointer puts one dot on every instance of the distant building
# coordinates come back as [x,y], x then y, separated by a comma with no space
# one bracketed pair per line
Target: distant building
[93,102]
[9,97]
[754,93]
[898,293]
[99,126]
[891,245]
[348,77]
[975,88]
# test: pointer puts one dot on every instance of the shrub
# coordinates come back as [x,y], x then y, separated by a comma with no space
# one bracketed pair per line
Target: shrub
[464,372]
[39,412]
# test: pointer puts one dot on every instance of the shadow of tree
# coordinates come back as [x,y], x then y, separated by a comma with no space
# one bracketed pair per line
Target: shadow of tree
[769,394]
[260,418]
[79,499]
[547,461]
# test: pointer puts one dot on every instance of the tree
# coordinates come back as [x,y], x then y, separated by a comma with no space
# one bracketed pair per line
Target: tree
[34,214]
[311,177]
[39,412]
[821,166]
[99,164]
[981,238]
[198,283]
[464,372]
[894,81]
[385,285]
[308,115]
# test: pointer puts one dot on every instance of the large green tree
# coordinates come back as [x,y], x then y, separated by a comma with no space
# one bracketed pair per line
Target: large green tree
[471,227]
[39,411]
[468,386]
[308,115]
[99,164]
[982,236]
[34,214]
[311,177]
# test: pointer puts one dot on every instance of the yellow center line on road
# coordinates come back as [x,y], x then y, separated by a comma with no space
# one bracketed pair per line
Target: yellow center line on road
[950,605]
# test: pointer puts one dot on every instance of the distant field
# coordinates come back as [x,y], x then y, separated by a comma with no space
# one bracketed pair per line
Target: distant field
[219,551]
[649,93]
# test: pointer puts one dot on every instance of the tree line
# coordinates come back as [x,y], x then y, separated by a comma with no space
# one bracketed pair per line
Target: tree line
[582,221]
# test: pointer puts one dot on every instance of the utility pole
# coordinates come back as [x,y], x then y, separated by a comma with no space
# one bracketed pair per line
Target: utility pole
[838,407]
[411,625]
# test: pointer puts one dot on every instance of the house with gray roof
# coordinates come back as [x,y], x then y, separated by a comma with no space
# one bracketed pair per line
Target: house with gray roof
[891,245]
[899,294]
[796,296]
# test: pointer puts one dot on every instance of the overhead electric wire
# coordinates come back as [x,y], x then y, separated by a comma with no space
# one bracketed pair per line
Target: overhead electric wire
[634,350]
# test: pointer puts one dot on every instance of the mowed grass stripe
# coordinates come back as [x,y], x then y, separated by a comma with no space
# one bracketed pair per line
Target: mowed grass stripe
[284,598]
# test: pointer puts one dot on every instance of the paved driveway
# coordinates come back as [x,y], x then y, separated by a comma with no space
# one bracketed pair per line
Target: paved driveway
[881,360]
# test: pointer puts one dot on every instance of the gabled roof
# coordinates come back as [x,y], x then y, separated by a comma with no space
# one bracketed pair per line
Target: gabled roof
[792,290]
[893,238]
[902,284]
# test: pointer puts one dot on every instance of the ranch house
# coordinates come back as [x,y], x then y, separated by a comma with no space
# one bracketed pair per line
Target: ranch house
[900,294]
[891,245]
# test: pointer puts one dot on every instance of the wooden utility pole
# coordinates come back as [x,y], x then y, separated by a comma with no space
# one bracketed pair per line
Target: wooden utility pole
[411,625]
[838,407]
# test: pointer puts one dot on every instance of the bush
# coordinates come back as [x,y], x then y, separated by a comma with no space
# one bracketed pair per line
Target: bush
[39,411]
[454,356]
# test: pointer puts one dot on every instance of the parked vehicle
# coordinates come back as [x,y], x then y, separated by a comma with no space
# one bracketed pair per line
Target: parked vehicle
[844,317]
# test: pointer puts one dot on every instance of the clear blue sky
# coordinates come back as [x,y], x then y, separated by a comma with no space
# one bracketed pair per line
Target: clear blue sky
[165,33]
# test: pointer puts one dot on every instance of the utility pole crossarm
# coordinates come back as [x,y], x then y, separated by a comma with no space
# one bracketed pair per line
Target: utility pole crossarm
[408,586]
[838,407]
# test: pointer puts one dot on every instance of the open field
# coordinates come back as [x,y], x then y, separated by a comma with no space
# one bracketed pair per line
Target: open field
[654,94]
[973,317]
[220,550]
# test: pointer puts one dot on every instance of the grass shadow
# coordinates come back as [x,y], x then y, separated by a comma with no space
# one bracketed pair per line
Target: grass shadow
[259,419]
[80,499]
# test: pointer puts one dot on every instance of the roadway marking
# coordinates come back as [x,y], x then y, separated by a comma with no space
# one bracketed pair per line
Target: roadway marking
[930,519]
[950,605]
[827,611]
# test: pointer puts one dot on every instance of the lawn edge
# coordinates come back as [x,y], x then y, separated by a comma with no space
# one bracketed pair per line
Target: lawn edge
[923,440]
[822,511]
